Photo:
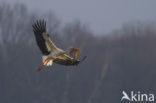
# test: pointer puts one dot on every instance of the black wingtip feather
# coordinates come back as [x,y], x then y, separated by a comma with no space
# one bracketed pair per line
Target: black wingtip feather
[39,27]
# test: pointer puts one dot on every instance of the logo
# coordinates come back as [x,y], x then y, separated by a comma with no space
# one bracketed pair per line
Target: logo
[138,96]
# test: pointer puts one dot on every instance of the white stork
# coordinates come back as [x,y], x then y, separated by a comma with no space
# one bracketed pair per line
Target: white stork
[50,52]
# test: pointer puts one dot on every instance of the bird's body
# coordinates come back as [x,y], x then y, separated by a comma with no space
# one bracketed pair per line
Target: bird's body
[51,53]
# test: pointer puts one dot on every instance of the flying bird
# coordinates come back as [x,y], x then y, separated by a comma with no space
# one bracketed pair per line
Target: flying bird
[51,53]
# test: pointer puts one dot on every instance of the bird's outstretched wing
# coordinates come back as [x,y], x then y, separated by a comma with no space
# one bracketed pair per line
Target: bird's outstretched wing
[42,38]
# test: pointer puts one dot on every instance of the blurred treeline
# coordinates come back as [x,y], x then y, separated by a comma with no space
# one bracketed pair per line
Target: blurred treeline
[123,60]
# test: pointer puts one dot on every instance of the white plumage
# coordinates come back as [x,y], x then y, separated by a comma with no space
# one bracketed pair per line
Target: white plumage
[51,53]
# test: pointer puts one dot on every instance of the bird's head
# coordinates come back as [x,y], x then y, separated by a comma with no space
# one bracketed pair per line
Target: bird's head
[79,61]
[76,62]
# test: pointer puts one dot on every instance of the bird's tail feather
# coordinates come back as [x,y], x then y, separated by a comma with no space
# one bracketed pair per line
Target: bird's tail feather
[45,63]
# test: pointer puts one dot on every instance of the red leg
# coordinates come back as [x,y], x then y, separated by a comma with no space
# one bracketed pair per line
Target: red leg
[41,67]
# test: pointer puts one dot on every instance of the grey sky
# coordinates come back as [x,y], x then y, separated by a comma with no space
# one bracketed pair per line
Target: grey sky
[101,15]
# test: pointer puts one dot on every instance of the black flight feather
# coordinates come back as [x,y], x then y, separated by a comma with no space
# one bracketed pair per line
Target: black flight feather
[39,27]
